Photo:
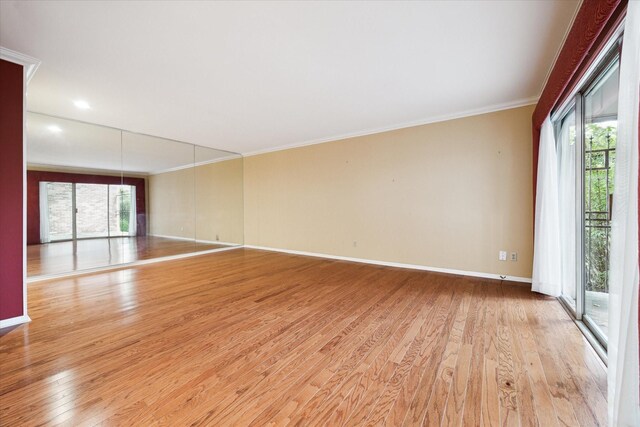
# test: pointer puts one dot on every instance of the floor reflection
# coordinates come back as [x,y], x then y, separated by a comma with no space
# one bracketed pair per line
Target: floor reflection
[63,257]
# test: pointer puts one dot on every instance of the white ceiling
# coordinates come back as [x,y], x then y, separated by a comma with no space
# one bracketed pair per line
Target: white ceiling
[86,146]
[250,76]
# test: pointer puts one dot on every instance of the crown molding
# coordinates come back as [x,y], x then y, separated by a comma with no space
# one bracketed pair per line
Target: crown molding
[29,63]
[43,167]
[433,119]
[196,164]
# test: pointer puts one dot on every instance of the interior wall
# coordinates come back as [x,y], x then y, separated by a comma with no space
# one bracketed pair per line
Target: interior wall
[219,202]
[205,202]
[449,195]
[172,204]
[11,188]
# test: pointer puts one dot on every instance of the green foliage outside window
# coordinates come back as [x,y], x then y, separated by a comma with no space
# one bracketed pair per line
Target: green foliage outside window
[598,181]
[125,210]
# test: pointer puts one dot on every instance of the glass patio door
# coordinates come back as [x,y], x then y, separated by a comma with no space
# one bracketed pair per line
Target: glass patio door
[122,210]
[92,210]
[586,147]
[567,151]
[599,151]
[82,211]
[56,211]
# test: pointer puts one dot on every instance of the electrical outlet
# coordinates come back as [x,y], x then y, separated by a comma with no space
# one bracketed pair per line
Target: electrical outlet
[502,255]
[217,237]
[514,256]
[355,244]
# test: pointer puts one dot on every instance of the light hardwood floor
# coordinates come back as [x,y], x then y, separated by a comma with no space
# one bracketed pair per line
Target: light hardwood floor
[63,257]
[248,337]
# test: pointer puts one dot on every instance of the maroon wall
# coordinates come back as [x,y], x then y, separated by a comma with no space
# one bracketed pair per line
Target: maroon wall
[593,26]
[11,190]
[33,197]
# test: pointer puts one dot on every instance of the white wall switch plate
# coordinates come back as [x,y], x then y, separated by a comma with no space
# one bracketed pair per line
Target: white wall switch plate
[502,255]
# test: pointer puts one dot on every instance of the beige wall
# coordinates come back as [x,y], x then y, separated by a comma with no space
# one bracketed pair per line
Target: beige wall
[449,195]
[205,202]
[219,202]
[172,204]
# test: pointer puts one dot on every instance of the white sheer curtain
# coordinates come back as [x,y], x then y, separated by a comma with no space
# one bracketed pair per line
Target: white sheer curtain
[547,272]
[622,347]
[566,148]
[133,213]
[44,213]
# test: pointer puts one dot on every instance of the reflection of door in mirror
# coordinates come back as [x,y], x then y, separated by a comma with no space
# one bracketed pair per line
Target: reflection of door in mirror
[122,210]
[91,211]
[81,211]
[56,211]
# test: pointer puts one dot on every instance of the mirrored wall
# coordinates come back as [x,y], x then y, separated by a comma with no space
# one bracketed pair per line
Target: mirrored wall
[99,196]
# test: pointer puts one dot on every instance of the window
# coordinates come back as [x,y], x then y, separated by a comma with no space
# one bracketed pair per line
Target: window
[585,143]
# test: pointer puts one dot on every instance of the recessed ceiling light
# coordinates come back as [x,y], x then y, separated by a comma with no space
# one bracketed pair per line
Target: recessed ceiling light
[55,128]
[83,105]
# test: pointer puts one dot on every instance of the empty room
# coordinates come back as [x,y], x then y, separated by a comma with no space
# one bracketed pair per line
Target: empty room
[319,213]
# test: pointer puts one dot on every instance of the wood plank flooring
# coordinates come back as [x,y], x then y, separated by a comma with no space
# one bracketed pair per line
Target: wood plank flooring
[254,338]
[64,257]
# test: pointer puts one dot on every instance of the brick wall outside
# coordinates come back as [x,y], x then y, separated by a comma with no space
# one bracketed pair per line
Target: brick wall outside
[60,218]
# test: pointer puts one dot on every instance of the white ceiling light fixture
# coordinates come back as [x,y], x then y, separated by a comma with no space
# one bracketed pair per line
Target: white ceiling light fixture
[82,104]
[55,128]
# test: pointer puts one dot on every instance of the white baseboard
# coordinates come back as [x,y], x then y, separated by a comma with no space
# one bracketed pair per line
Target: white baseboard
[211,242]
[287,251]
[14,321]
[398,264]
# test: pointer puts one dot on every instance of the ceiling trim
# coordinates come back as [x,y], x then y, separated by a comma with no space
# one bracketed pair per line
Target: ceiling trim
[433,119]
[29,63]
[43,167]
[79,170]
[195,165]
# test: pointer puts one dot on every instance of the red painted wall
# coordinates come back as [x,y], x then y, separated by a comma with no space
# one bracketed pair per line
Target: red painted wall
[11,190]
[33,197]
[593,26]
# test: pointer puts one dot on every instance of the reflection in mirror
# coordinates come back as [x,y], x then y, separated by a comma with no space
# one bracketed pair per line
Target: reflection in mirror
[73,170]
[170,217]
[219,197]
[99,196]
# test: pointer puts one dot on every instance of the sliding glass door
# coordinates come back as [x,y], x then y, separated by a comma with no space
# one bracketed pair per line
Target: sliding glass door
[585,144]
[92,207]
[567,192]
[83,211]
[56,211]
[599,144]
[122,210]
